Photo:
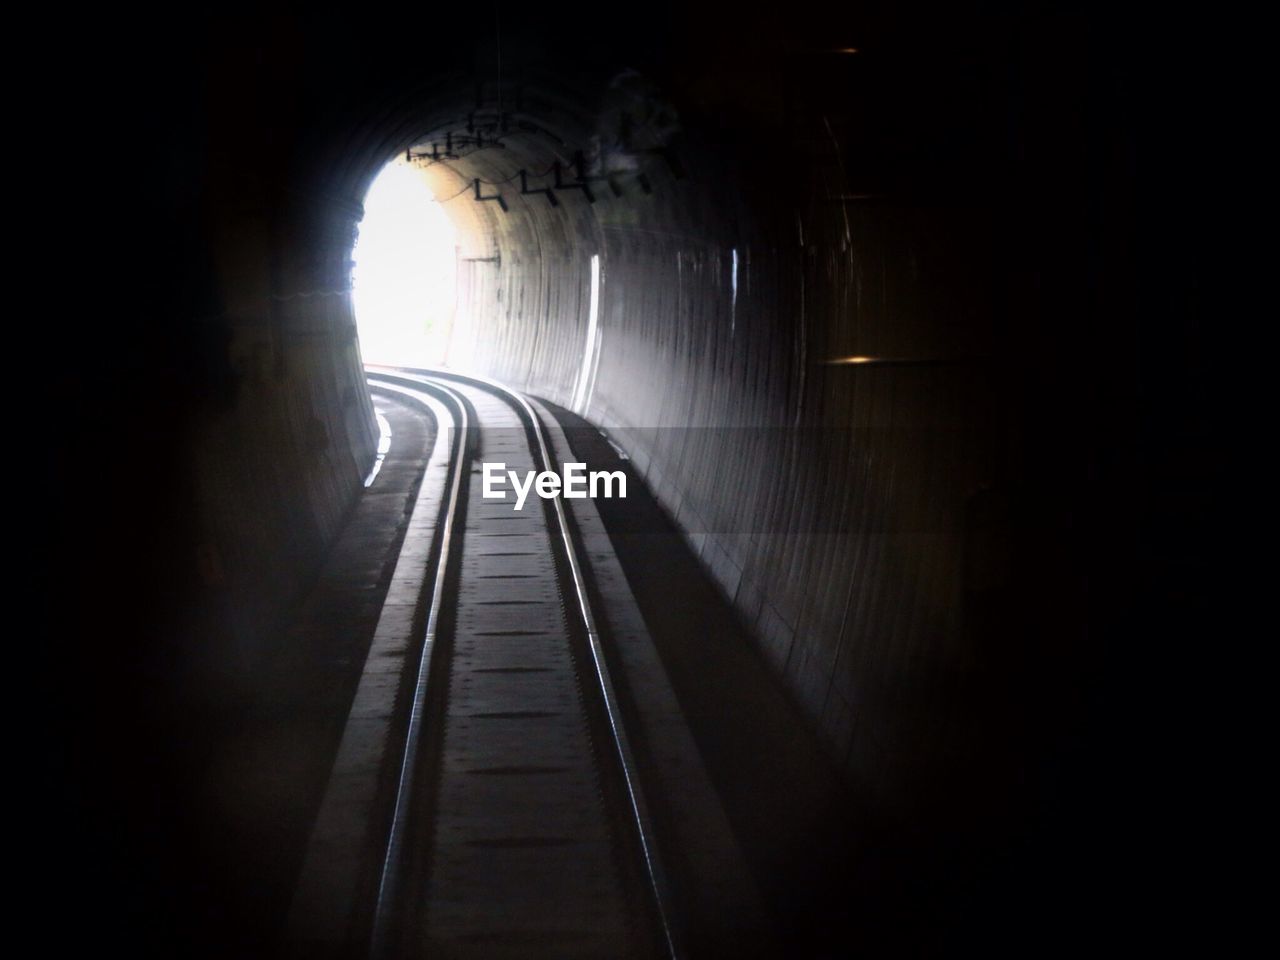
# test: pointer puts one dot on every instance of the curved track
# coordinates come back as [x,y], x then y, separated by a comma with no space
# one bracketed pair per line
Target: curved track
[518,825]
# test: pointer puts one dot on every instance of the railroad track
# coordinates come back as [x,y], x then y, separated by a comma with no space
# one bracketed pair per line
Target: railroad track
[507,816]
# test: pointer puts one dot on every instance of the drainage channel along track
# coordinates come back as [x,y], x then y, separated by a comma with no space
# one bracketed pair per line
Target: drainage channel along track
[516,826]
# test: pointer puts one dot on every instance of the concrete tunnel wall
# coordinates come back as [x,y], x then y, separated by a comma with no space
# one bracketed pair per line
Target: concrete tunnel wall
[874,211]
[280,461]
[851,513]
[720,398]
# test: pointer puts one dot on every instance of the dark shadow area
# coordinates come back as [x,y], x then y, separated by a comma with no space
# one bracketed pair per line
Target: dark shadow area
[1003,859]
[209,786]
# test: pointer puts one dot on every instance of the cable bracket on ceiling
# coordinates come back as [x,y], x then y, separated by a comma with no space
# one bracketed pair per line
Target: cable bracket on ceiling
[546,191]
[497,197]
[580,181]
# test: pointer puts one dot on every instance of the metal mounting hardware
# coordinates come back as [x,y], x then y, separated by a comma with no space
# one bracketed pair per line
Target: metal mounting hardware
[436,155]
[497,196]
[547,191]
[580,178]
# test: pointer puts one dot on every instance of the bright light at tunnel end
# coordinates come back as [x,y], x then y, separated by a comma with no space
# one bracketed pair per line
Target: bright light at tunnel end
[404,278]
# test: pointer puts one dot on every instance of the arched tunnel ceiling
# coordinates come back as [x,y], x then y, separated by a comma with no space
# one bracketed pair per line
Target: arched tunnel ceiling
[546,159]
[616,135]
[747,107]
[785,196]
[979,196]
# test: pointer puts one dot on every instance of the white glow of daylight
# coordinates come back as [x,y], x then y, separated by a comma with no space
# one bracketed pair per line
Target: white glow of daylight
[404,275]
[733,303]
[590,349]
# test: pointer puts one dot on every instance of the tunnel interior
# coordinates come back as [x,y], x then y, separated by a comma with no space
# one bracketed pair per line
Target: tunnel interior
[862,297]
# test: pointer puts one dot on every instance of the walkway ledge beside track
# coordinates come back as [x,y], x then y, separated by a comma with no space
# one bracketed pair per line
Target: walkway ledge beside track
[349,833]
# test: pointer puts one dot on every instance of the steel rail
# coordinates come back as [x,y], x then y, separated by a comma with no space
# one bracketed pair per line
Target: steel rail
[659,885]
[386,910]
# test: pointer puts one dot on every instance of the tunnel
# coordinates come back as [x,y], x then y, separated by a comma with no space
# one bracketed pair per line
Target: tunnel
[883,312]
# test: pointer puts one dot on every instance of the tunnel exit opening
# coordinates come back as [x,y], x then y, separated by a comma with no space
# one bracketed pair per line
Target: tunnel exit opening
[404,287]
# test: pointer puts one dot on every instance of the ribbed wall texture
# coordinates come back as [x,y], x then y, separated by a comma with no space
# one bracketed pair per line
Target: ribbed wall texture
[888,529]
[834,504]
